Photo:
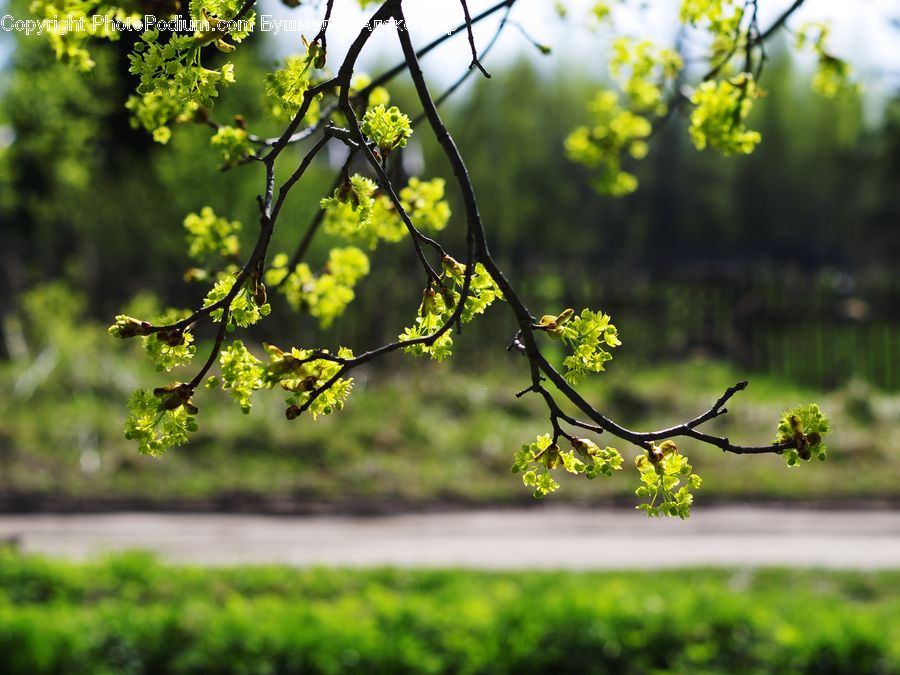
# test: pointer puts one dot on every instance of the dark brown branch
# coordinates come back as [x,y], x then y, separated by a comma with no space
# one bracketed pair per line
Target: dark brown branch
[780,21]
[468,73]
[475,62]
[389,75]
[322,35]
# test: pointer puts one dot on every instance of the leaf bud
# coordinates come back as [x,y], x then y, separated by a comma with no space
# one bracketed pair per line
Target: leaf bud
[259,294]
[453,267]
[548,322]
[449,297]
[429,304]
[551,458]
[308,383]
[127,327]
[320,58]
[585,447]
[173,338]
[175,395]
[224,47]
[564,317]
[293,412]
[668,448]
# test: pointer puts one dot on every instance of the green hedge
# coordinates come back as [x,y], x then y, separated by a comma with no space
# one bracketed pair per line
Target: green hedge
[131,614]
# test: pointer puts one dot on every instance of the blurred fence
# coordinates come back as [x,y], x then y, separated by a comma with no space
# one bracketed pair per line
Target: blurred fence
[810,333]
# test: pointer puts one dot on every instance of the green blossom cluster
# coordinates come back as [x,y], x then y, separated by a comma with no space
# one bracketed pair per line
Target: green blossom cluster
[70,46]
[721,18]
[587,334]
[246,308]
[324,295]
[351,206]
[720,115]
[807,427]
[210,236]
[388,128]
[536,460]
[215,10]
[614,132]
[357,212]
[439,304]
[241,373]
[644,70]
[170,349]
[621,128]
[158,421]
[832,76]
[287,87]
[173,82]
[233,143]
[295,371]
[167,349]
[601,10]
[662,470]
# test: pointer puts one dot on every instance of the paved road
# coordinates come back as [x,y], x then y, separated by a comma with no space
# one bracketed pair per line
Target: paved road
[492,539]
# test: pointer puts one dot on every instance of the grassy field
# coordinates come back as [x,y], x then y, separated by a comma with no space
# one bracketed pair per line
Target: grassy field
[427,433]
[133,615]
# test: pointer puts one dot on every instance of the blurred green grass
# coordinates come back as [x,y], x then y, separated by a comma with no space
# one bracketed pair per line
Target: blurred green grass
[131,614]
[421,434]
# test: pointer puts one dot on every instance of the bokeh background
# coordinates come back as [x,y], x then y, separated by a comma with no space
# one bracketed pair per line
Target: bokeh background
[780,267]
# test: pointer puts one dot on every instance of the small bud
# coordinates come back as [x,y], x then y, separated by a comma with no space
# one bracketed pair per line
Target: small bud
[173,338]
[224,47]
[563,318]
[292,412]
[429,304]
[128,327]
[259,294]
[547,321]
[308,383]
[453,267]
[668,448]
[585,447]
[320,59]
[176,395]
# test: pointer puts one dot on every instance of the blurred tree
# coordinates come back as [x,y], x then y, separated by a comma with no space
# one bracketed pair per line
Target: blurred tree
[323,103]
